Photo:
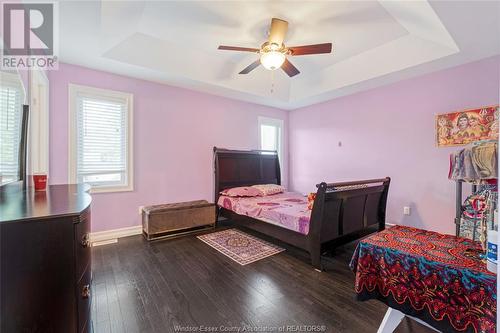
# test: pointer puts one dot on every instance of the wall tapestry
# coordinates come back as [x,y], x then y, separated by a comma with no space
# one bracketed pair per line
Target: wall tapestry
[463,127]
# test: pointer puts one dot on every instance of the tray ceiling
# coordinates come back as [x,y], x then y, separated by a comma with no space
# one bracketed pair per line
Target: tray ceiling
[374,43]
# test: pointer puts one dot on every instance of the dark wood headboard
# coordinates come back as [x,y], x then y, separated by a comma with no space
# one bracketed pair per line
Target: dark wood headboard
[233,168]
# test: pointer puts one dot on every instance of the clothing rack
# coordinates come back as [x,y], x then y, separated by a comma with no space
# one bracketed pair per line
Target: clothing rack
[473,180]
[458,204]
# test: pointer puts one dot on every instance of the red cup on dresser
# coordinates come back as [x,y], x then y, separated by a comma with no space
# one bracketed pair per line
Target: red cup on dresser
[40,182]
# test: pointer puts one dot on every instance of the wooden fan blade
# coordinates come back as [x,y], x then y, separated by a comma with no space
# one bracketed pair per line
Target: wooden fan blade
[310,49]
[251,67]
[237,48]
[277,31]
[289,69]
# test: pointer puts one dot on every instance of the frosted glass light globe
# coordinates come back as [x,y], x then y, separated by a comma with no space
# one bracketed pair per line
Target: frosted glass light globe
[272,60]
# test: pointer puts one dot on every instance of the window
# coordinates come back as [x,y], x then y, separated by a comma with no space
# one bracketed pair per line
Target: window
[11,110]
[101,139]
[271,135]
[39,122]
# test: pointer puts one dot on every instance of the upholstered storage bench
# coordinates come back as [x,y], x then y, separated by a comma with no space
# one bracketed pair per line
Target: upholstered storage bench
[177,218]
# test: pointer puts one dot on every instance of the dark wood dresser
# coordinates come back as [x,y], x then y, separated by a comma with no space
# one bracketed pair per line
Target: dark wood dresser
[45,259]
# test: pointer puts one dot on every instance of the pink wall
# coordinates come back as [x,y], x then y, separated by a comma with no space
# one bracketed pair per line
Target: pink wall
[174,132]
[389,131]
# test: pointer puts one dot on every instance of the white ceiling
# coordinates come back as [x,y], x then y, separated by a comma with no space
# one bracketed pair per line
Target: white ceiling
[374,42]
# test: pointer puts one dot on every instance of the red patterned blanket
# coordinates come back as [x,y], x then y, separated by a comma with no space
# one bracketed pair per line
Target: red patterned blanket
[427,275]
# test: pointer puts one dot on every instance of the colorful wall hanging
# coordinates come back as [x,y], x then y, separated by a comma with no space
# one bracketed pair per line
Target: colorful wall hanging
[463,127]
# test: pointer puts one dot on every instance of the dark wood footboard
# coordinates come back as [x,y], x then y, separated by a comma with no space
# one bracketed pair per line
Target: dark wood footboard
[346,211]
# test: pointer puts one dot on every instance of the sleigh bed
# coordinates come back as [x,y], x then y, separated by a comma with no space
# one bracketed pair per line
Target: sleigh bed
[341,212]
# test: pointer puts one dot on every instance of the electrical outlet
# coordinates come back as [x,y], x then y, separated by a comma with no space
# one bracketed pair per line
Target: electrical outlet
[406,210]
[140,209]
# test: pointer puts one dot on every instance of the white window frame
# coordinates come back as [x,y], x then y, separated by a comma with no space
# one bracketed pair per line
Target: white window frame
[74,90]
[279,123]
[39,122]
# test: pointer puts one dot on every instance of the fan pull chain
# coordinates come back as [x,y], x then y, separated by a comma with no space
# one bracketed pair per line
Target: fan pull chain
[272,82]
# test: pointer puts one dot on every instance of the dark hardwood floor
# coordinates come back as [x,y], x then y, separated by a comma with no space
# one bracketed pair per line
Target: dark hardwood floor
[141,286]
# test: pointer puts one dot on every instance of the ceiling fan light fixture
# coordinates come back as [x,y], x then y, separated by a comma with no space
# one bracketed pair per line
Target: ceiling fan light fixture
[272,60]
[274,53]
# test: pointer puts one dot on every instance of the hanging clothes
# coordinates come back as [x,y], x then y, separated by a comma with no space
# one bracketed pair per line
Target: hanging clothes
[484,160]
[477,212]
[475,162]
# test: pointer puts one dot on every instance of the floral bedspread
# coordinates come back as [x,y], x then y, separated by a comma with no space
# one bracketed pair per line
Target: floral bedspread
[287,209]
[427,275]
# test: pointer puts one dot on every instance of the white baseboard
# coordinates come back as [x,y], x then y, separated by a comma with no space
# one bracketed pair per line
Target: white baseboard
[111,236]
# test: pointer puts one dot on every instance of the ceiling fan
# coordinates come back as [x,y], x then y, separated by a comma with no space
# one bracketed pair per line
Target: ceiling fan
[273,53]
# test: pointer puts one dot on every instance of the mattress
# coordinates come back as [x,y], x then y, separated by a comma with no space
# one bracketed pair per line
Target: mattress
[287,210]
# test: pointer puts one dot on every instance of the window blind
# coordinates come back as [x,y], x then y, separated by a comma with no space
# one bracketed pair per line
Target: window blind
[101,140]
[10,130]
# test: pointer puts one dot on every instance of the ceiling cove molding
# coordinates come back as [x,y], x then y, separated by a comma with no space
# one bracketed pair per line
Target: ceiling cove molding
[427,40]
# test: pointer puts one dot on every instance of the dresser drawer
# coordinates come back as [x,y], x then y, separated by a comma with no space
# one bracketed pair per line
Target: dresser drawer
[84,296]
[82,243]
